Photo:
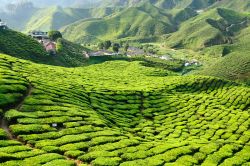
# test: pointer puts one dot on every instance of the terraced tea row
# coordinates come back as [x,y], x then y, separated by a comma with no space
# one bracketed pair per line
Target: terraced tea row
[118,113]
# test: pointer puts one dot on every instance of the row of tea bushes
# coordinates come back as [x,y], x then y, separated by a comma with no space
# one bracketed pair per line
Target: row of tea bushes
[117,113]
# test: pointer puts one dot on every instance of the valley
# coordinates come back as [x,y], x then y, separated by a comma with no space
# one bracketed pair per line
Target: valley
[125,83]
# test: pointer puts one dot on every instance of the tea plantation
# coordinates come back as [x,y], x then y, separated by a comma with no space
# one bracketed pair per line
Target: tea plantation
[119,113]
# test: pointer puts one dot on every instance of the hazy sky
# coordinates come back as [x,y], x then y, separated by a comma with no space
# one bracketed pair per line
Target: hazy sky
[44,3]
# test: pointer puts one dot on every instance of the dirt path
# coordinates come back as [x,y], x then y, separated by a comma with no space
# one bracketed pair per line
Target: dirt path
[4,124]
[27,94]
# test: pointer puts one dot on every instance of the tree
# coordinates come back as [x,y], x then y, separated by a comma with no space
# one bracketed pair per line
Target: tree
[226,50]
[101,45]
[121,44]
[107,44]
[54,35]
[126,47]
[116,47]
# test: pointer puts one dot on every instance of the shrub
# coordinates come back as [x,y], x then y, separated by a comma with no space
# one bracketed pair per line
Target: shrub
[105,161]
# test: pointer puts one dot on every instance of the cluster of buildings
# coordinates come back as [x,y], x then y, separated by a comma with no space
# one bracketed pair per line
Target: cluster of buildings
[43,38]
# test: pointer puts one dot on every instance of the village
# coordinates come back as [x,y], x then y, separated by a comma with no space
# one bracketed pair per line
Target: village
[43,39]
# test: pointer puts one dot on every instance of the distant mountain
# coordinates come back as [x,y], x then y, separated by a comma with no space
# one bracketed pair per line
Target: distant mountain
[27,17]
[237,5]
[57,17]
[214,27]
[166,4]
[144,20]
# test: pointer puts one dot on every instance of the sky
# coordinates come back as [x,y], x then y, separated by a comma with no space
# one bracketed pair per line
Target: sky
[44,3]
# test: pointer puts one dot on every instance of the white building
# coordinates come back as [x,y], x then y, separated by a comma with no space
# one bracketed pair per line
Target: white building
[38,35]
[3,25]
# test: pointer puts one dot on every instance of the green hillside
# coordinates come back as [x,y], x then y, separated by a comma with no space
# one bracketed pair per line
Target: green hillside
[214,27]
[70,54]
[238,5]
[56,17]
[235,64]
[184,101]
[103,117]
[150,21]
[166,4]
[21,46]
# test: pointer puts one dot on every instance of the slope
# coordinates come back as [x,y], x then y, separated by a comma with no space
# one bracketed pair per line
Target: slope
[213,27]
[237,5]
[21,46]
[98,115]
[150,21]
[57,17]
[235,65]
[166,4]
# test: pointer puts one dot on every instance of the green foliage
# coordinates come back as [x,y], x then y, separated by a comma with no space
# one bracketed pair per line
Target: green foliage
[21,46]
[116,47]
[101,161]
[3,135]
[98,115]
[101,45]
[57,17]
[54,35]
[107,44]
[69,54]
[147,23]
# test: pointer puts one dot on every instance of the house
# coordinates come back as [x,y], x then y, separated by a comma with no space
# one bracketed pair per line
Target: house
[3,25]
[50,47]
[192,62]
[39,35]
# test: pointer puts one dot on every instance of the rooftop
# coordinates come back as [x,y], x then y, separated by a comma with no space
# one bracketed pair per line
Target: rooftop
[2,23]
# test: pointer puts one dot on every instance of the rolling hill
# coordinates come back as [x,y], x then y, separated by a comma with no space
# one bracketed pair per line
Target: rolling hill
[150,21]
[21,46]
[213,27]
[26,17]
[54,18]
[238,5]
[98,115]
[134,111]
[166,4]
